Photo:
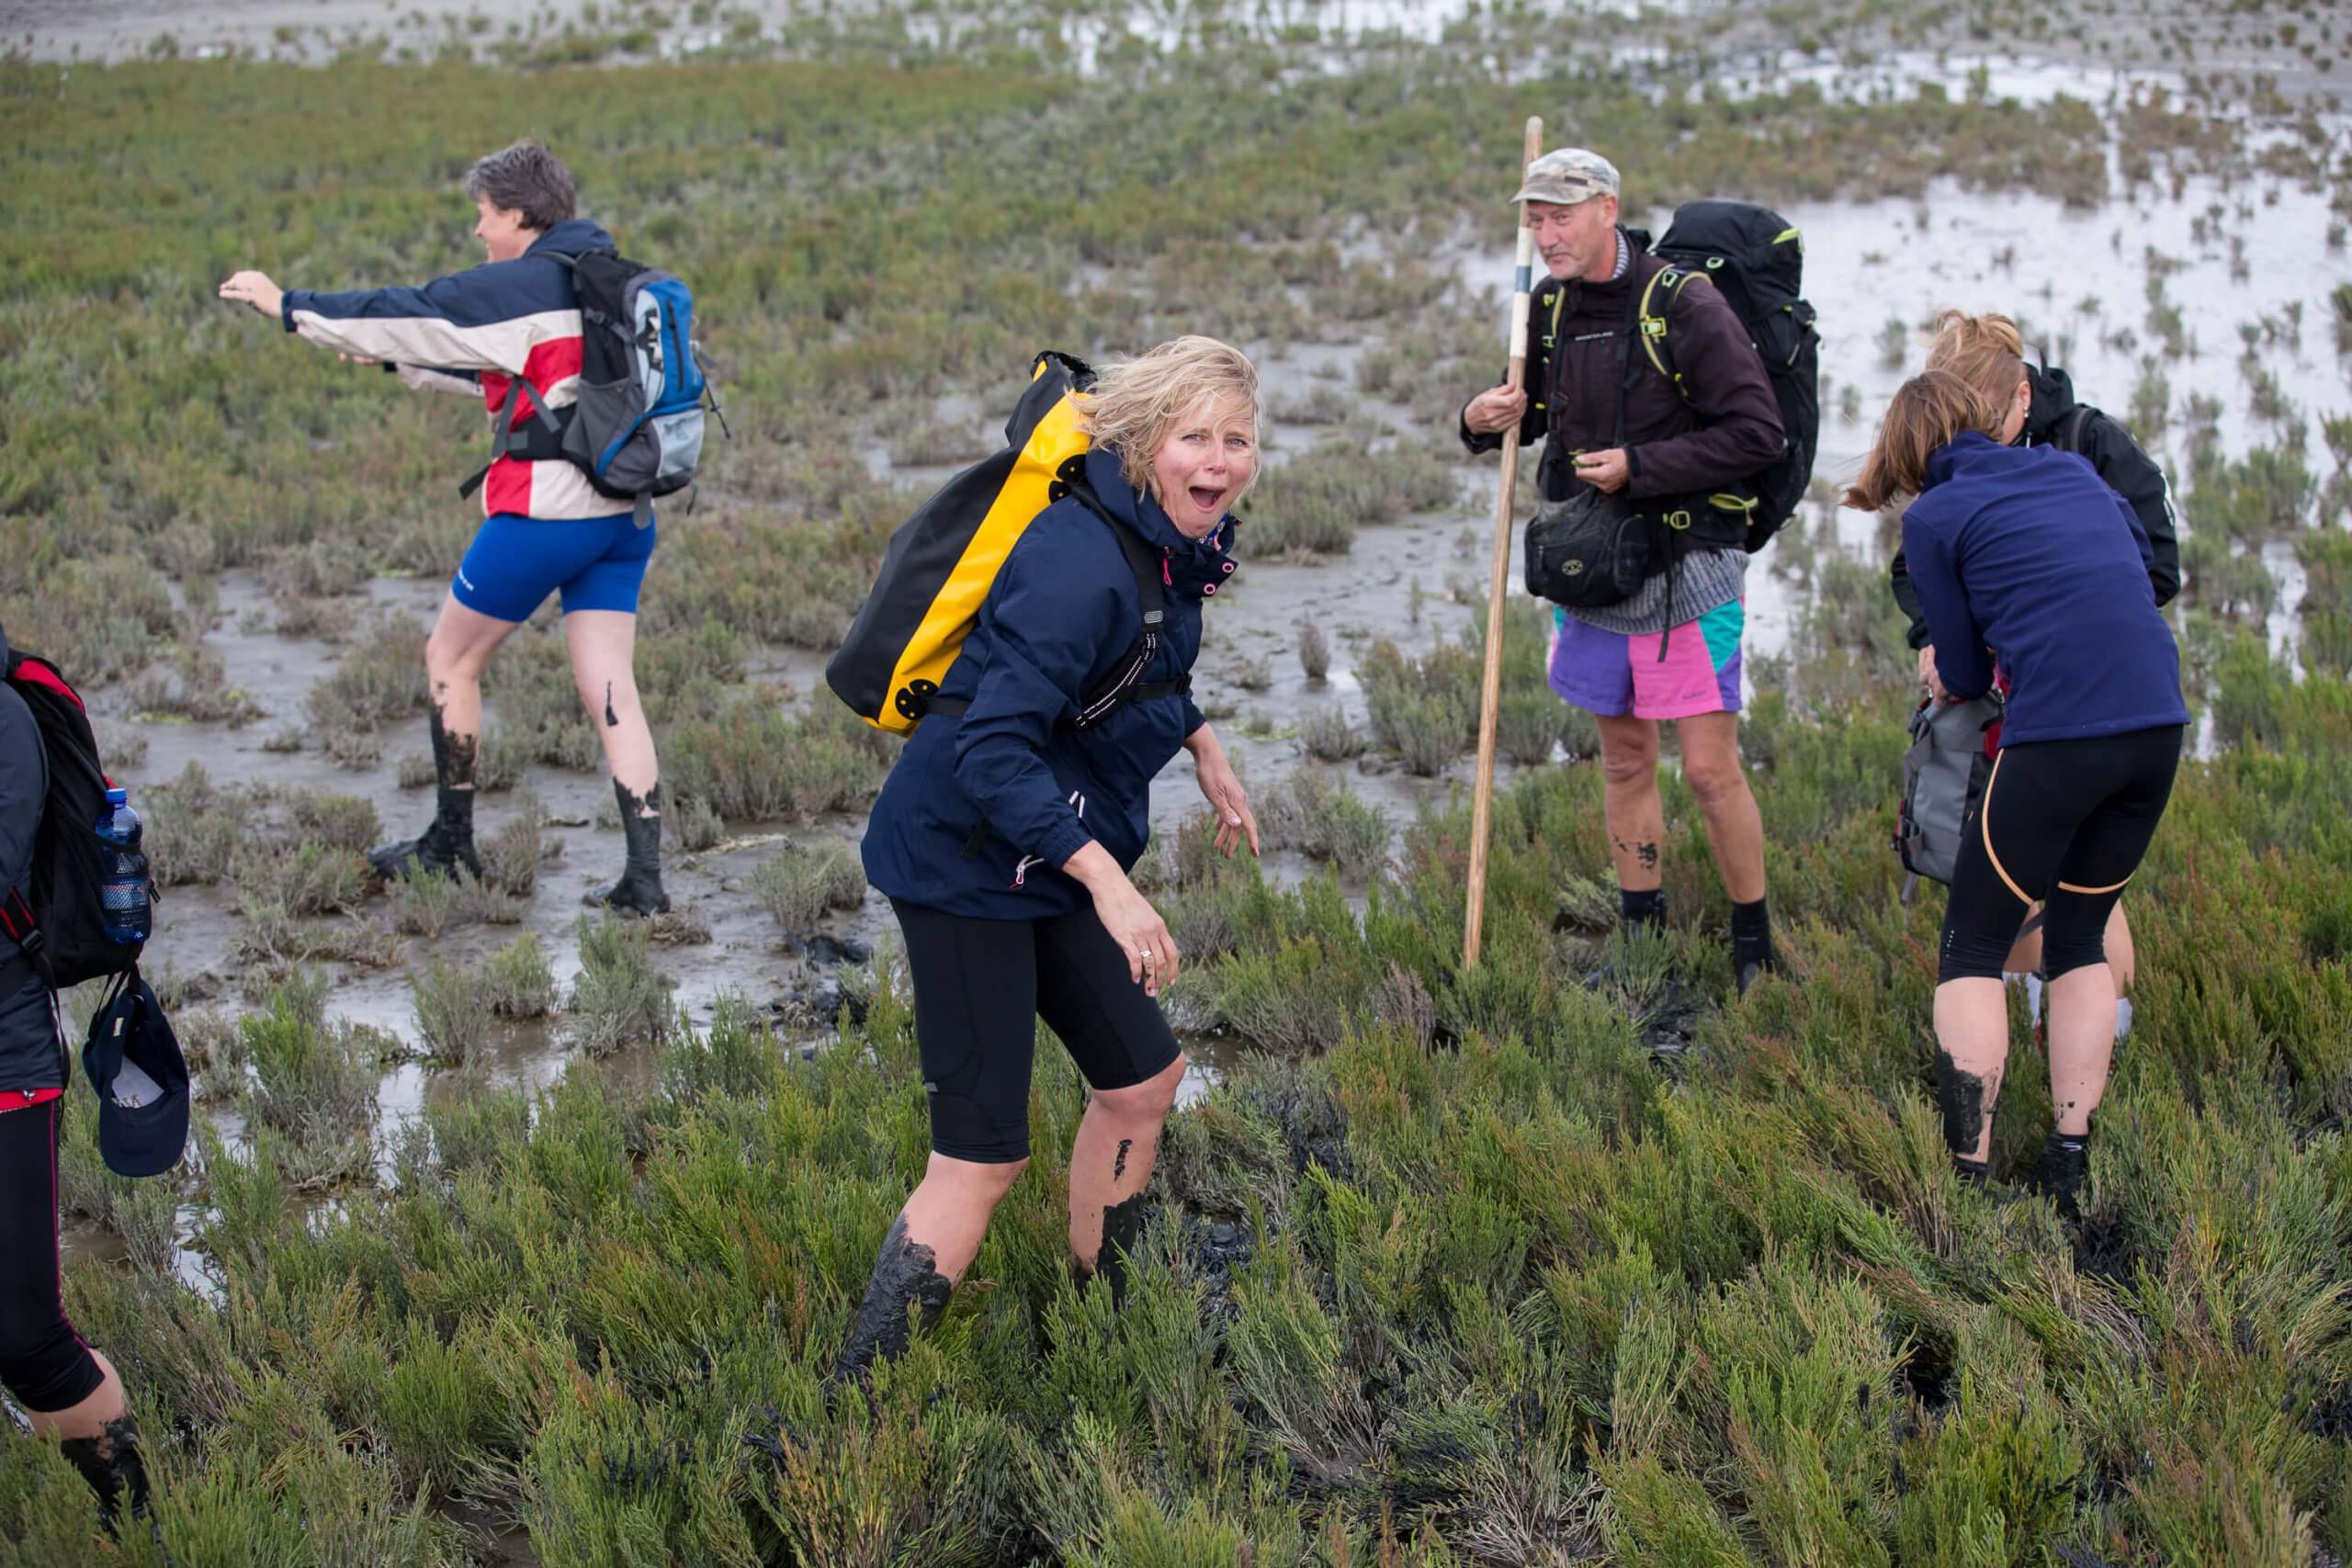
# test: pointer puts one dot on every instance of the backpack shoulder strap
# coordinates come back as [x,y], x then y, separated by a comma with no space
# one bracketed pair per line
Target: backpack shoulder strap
[1650,321]
[503,442]
[2070,435]
[1151,600]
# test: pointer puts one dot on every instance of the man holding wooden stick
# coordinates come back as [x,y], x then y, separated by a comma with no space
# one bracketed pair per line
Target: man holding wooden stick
[1610,421]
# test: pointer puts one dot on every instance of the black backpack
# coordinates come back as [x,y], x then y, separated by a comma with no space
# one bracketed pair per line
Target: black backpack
[62,929]
[1756,260]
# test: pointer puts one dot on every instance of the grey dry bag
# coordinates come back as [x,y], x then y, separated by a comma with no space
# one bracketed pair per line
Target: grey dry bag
[1952,746]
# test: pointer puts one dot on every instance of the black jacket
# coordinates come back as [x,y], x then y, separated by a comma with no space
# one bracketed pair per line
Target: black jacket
[30,1057]
[1728,429]
[2113,455]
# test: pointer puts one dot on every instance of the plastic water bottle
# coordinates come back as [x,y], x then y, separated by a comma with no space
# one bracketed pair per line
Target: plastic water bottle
[122,871]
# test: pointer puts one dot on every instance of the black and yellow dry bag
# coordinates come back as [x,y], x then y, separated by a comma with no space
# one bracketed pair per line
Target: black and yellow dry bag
[942,561]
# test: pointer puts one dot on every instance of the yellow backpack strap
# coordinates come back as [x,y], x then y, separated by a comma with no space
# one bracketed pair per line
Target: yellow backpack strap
[1651,323]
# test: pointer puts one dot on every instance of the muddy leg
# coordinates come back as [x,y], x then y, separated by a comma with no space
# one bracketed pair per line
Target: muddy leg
[1110,1166]
[931,1243]
[638,890]
[1973,1040]
[603,645]
[111,1463]
[1635,816]
[454,656]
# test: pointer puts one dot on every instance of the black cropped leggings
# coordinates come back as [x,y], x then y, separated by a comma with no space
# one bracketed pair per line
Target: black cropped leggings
[2065,823]
[980,988]
[43,1363]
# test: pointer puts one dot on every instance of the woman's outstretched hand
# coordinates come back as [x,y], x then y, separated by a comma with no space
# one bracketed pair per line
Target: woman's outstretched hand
[255,289]
[1222,788]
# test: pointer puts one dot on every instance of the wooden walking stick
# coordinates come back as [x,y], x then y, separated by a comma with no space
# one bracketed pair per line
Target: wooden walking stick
[1490,690]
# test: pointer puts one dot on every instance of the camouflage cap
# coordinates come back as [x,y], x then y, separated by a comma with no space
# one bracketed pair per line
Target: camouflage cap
[1567,175]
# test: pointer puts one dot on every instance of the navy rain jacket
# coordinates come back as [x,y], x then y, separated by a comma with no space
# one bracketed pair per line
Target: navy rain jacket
[2026,552]
[983,809]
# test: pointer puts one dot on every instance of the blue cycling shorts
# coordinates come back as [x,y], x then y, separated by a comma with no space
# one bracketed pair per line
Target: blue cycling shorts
[515,562]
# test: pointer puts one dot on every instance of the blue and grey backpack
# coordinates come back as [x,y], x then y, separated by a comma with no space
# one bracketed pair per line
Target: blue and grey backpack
[636,428]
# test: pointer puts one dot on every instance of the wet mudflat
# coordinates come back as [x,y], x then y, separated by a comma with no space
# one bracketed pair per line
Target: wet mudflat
[505,1228]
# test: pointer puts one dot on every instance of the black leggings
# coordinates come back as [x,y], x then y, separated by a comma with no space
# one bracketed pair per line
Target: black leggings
[980,988]
[2064,823]
[43,1362]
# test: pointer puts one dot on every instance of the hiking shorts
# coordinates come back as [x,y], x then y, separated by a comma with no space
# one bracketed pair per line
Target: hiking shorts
[2065,821]
[1614,674]
[980,988]
[515,563]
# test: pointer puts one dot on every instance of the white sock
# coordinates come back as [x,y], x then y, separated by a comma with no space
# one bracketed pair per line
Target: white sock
[2122,1017]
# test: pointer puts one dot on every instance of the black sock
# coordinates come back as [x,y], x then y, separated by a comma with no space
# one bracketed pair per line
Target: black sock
[1973,1172]
[1644,909]
[1751,935]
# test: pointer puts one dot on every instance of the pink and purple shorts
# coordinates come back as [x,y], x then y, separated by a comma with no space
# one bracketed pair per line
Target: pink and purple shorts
[1614,674]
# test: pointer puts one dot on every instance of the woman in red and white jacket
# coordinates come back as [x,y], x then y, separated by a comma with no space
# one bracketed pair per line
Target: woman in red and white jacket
[508,332]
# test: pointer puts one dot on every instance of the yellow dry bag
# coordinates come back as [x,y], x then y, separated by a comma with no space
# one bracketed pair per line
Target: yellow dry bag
[942,561]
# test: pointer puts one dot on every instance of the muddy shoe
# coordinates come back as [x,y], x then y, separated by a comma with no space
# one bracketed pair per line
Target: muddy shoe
[2059,1174]
[112,1466]
[434,849]
[638,891]
[446,847]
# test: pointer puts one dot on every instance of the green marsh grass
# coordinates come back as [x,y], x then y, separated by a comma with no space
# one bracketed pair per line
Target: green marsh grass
[801,883]
[1490,1286]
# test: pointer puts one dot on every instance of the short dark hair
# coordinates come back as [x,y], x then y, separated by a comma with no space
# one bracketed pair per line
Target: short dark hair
[528,179]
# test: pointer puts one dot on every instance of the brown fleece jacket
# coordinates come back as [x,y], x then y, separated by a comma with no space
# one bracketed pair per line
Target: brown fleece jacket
[1729,428]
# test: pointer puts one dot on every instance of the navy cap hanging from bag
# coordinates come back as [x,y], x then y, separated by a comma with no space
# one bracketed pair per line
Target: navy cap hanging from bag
[133,1062]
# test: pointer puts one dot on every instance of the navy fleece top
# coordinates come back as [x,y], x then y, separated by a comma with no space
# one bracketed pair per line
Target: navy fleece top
[2025,552]
[982,808]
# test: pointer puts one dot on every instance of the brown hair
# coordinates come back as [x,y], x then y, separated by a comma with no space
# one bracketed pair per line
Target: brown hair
[1136,404]
[1929,410]
[1987,351]
[526,178]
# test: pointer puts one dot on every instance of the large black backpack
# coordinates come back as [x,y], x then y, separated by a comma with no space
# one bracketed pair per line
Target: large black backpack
[62,929]
[1756,260]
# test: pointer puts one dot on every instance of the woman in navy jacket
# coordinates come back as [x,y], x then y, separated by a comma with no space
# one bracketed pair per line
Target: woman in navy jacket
[1005,832]
[2028,564]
